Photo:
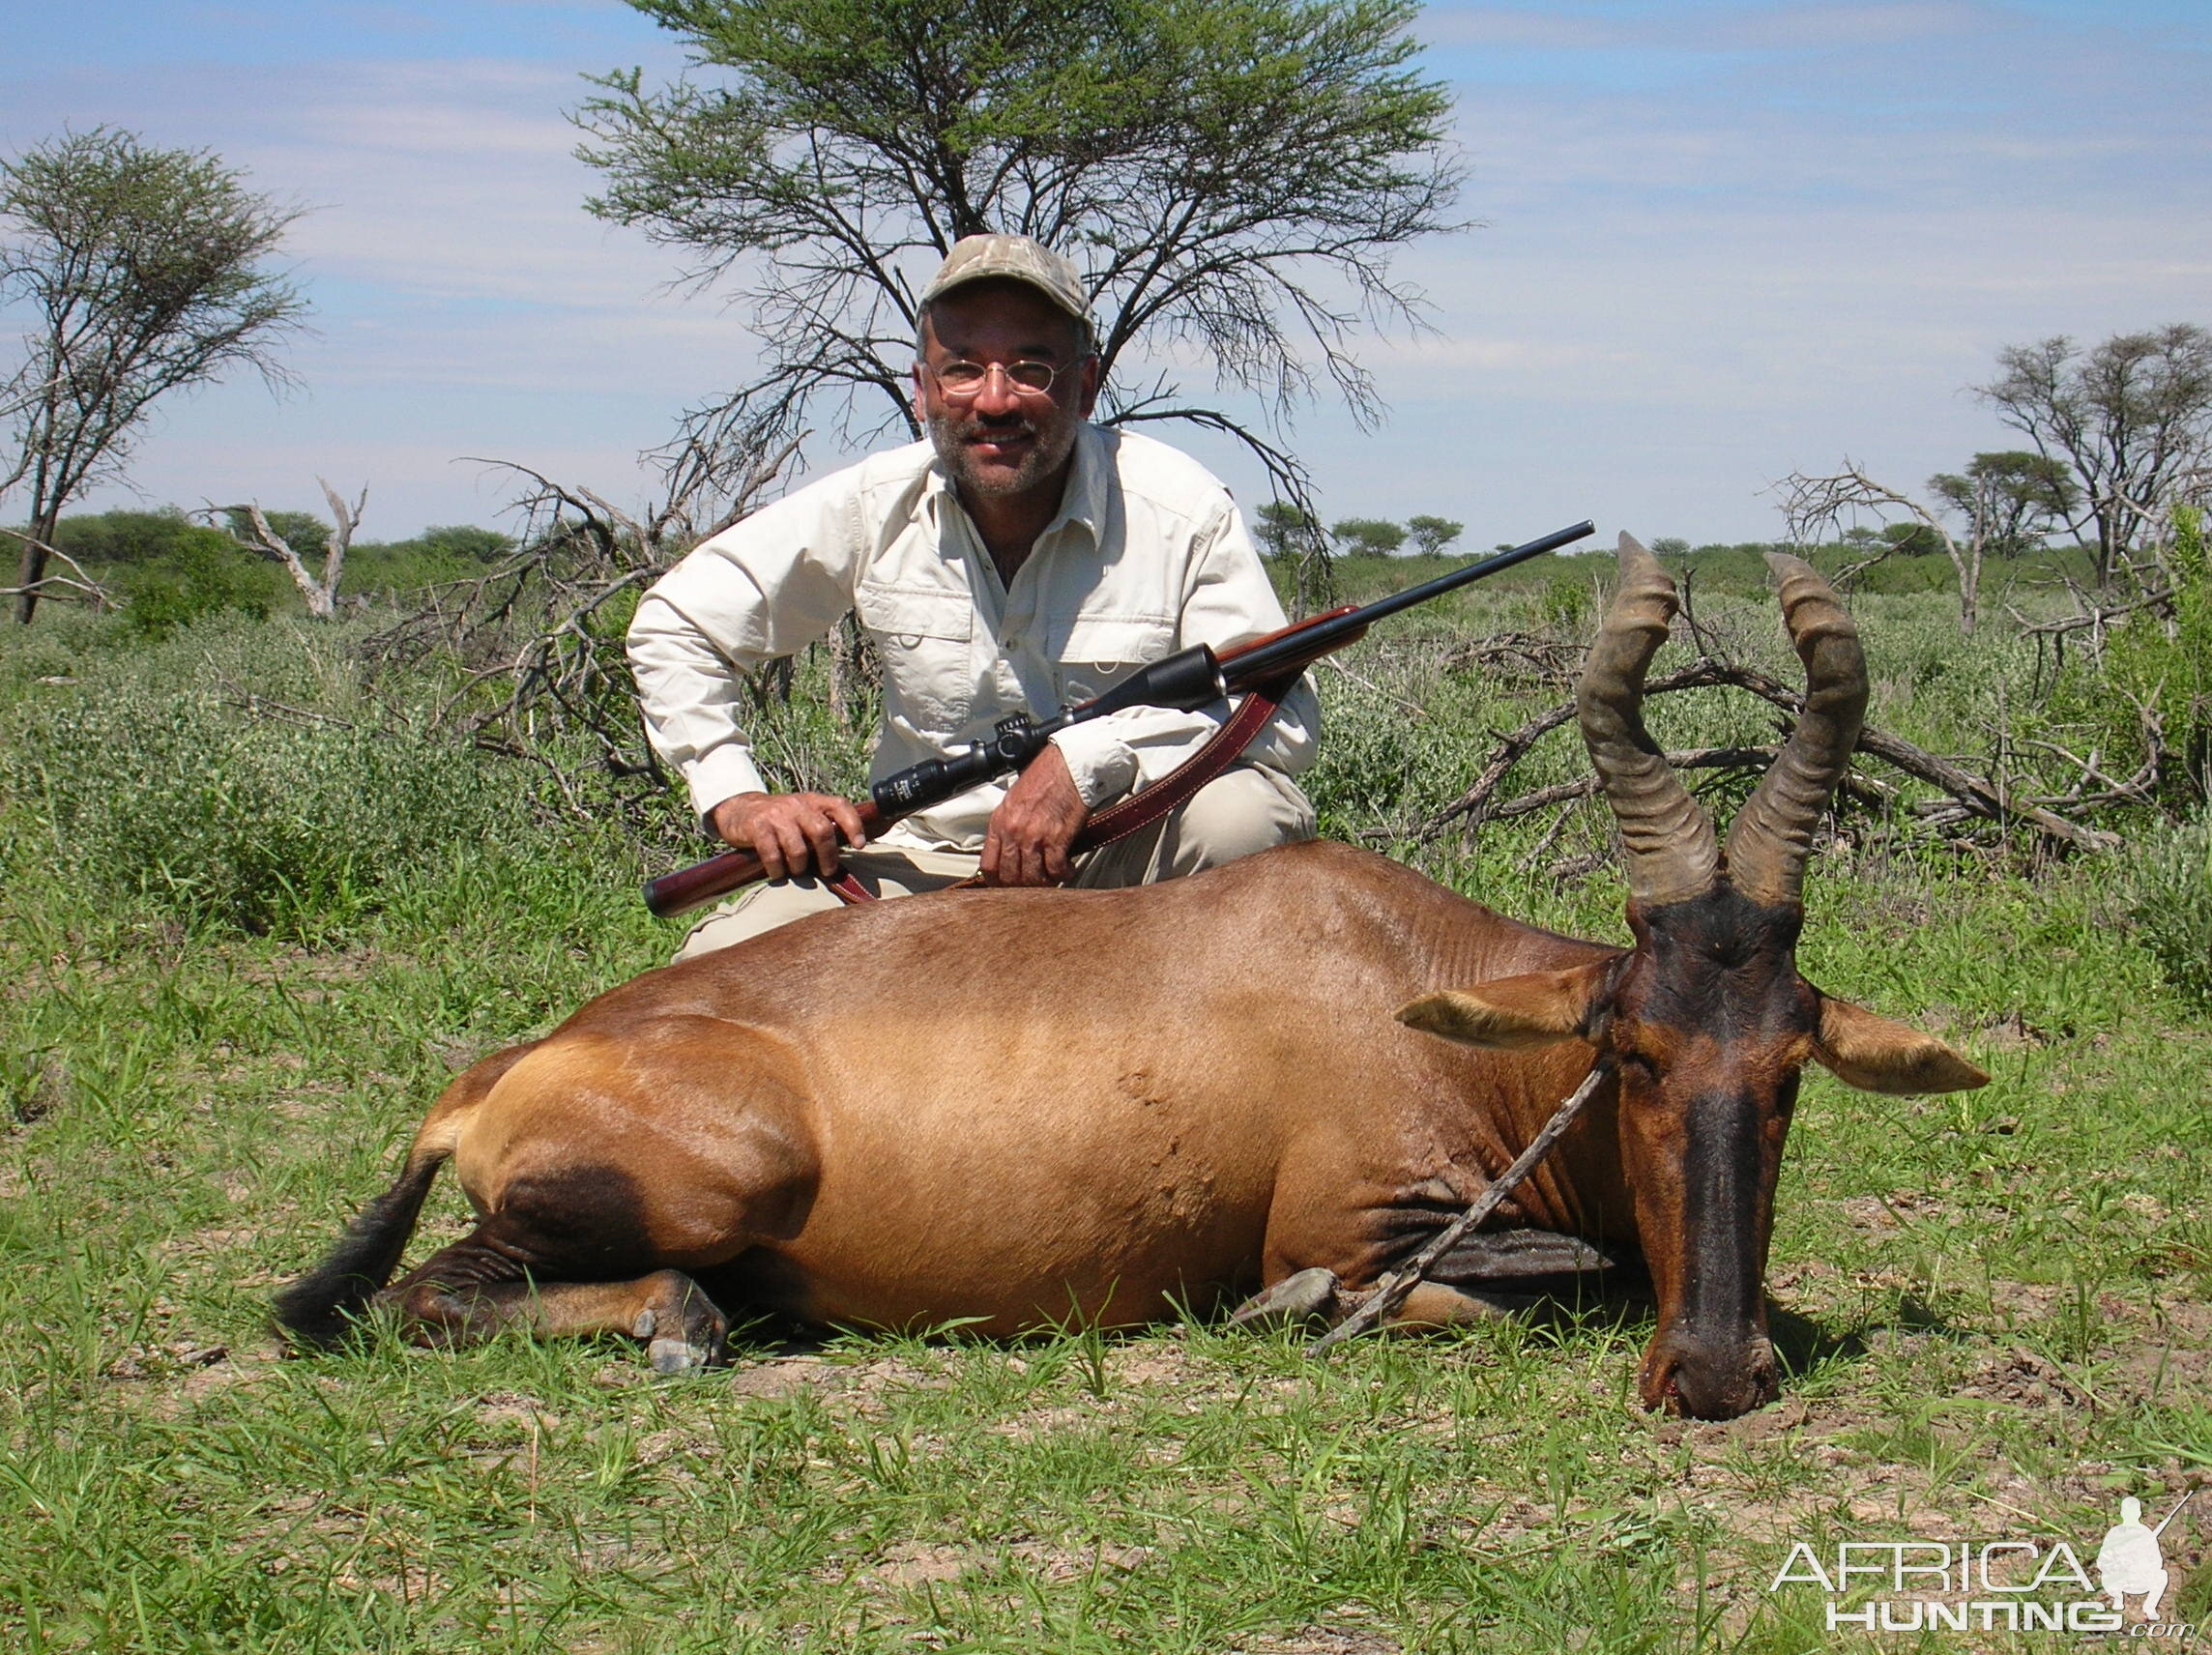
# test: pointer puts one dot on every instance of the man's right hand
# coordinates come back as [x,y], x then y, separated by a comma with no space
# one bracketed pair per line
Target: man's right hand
[793,834]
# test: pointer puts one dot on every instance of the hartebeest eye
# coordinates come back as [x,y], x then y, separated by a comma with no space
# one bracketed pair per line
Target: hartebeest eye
[1637,1065]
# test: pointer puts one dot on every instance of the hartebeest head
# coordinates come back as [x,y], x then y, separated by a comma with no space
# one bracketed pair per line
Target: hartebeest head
[1706,1019]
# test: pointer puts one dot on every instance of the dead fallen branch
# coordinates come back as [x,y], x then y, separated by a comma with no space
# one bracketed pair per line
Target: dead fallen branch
[1969,796]
[538,637]
[1523,657]
[257,706]
[75,587]
[1689,759]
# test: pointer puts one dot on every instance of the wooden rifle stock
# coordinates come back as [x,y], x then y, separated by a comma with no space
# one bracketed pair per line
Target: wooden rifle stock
[719,874]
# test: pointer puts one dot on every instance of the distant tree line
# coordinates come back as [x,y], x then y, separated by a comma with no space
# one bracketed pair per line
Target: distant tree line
[171,568]
[1286,530]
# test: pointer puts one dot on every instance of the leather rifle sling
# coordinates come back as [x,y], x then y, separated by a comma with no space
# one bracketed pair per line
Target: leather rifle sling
[1145,806]
[847,889]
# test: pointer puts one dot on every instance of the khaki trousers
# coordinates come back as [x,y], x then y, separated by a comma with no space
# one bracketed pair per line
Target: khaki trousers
[1243,810]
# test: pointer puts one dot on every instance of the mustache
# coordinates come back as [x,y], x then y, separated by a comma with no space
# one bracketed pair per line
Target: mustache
[1004,426]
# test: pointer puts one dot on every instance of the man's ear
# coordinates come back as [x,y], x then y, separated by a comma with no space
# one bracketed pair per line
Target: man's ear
[1089,386]
[1536,1009]
[920,396]
[1877,1054]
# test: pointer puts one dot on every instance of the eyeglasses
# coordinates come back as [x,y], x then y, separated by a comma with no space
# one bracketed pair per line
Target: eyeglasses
[964,379]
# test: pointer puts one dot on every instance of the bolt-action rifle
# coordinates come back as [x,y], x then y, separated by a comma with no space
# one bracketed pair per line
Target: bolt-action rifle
[1185,681]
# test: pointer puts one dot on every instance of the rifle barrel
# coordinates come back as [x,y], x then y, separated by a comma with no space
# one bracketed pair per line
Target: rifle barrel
[1489,566]
[1296,647]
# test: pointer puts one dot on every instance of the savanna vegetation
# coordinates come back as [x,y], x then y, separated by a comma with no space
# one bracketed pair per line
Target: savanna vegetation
[261,900]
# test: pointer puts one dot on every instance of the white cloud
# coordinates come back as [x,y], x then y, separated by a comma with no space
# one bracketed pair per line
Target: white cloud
[1798,28]
[1696,28]
[453,270]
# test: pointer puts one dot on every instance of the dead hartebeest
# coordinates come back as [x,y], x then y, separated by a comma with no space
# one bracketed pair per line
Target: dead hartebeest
[1015,1106]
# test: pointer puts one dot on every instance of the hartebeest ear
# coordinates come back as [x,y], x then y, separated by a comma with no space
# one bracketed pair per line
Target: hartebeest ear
[1531,1010]
[1877,1054]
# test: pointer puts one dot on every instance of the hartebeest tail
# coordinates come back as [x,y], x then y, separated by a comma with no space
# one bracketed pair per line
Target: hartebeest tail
[316,1311]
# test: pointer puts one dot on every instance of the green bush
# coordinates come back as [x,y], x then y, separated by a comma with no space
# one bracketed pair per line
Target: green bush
[437,556]
[106,540]
[200,574]
[1567,601]
[2170,900]
[2162,663]
[217,817]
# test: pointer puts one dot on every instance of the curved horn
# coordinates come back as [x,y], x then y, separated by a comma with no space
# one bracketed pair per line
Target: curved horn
[1665,839]
[1773,832]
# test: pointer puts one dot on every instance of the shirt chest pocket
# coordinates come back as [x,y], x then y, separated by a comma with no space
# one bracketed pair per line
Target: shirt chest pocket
[1094,652]
[923,636]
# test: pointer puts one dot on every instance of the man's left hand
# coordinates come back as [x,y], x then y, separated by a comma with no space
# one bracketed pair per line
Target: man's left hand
[1030,832]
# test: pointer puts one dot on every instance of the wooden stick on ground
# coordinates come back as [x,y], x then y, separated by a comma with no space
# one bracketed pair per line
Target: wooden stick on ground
[1391,1292]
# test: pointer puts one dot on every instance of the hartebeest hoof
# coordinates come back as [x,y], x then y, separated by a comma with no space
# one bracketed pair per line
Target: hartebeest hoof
[1306,1296]
[679,1356]
[683,1330]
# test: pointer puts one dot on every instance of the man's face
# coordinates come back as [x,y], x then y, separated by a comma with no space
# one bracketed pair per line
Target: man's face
[1003,442]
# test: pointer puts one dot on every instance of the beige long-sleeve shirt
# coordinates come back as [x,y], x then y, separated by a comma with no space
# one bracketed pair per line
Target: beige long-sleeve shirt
[1148,555]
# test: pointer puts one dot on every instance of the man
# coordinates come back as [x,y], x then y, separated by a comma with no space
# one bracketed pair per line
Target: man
[1021,559]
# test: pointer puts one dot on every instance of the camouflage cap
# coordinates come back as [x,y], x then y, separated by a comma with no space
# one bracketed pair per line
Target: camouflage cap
[1016,258]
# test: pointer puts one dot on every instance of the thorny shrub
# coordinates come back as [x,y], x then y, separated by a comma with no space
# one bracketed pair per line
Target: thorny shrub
[141,769]
[2162,662]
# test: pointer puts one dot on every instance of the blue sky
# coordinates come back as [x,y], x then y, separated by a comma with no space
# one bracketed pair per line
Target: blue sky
[1719,242]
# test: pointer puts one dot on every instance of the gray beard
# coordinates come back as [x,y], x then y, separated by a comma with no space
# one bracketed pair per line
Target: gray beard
[1045,456]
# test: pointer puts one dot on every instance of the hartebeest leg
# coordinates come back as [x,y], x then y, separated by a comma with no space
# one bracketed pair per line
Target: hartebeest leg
[1500,1256]
[468,1292]
[1437,1304]
[1315,1294]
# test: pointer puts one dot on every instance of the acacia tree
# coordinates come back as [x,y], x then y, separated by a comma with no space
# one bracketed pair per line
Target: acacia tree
[1375,537]
[1232,179]
[2009,500]
[1284,530]
[141,272]
[1432,535]
[2130,418]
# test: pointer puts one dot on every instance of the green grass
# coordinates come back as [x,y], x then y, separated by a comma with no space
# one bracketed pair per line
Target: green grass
[1994,1306]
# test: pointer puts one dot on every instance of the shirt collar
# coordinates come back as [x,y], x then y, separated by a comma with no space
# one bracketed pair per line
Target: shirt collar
[1085,501]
